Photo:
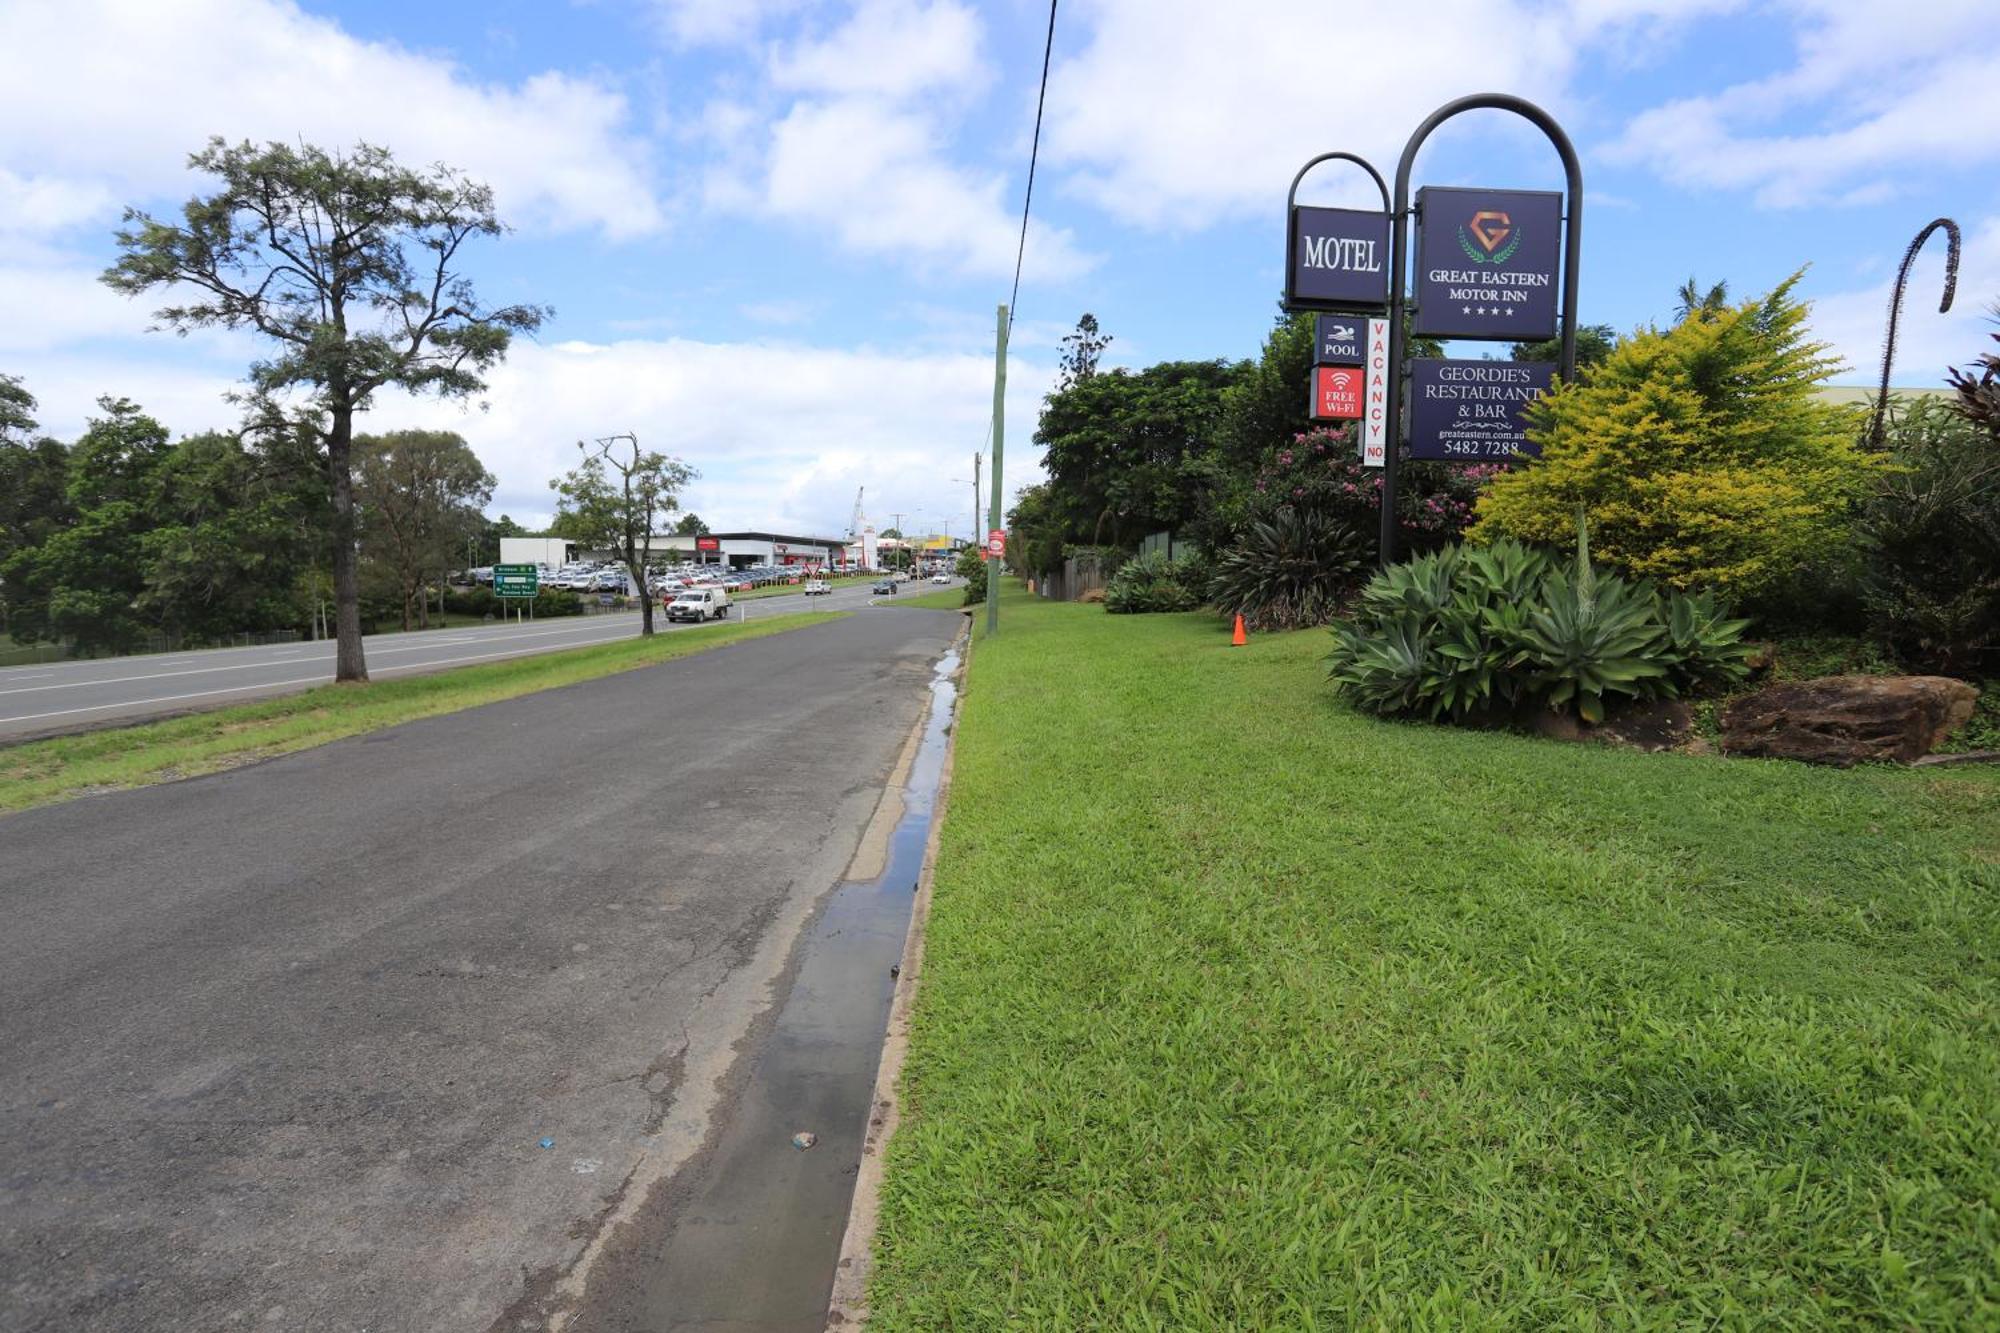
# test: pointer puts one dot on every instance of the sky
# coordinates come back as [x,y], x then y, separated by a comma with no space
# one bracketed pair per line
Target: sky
[775,232]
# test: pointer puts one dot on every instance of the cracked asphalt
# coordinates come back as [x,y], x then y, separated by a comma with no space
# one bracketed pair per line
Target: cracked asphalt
[278,1047]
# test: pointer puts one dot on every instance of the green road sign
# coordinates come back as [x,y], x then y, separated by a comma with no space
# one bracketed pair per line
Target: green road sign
[516,580]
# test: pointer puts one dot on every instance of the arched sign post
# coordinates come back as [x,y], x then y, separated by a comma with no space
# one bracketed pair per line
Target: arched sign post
[1336,264]
[1503,294]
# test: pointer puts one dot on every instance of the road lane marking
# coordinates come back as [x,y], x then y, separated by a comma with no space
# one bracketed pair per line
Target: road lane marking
[306,680]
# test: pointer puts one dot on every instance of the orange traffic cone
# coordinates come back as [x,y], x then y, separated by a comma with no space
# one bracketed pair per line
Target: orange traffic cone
[1238,639]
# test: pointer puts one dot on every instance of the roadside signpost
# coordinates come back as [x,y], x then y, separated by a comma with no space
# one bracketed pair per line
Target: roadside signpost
[1337,263]
[996,543]
[1490,264]
[517,581]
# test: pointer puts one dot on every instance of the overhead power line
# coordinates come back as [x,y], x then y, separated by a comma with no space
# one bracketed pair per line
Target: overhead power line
[1034,151]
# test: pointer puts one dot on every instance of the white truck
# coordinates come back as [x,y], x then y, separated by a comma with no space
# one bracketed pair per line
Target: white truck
[699,604]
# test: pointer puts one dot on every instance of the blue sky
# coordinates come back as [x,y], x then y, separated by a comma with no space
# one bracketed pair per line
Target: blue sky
[774,231]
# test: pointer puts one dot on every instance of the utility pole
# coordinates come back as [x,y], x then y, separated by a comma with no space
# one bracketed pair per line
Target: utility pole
[999,444]
[902,542]
[975,497]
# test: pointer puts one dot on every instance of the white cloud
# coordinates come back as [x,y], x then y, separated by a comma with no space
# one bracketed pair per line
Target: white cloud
[1882,93]
[718,22]
[1181,112]
[890,48]
[876,177]
[1927,342]
[105,98]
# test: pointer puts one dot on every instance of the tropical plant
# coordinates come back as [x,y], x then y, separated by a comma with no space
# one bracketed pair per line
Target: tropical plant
[1930,542]
[1700,454]
[1480,631]
[1156,582]
[1289,570]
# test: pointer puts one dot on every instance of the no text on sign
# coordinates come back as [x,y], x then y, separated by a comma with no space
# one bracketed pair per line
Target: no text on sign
[1474,411]
[1340,257]
[1488,263]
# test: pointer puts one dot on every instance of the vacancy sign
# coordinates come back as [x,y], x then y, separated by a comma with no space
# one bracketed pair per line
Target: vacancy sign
[1375,406]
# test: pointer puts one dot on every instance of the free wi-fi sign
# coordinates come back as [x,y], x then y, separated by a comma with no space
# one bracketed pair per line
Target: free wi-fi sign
[1337,392]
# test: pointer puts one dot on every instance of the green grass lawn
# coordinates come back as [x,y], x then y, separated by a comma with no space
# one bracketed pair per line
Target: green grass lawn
[1243,1011]
[39,772]
[793,589]
[937,599]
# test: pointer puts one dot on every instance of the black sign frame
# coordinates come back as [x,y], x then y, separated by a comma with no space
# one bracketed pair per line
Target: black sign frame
[1293,300]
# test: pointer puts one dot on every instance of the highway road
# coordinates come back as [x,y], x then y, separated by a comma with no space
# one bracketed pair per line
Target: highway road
[397,1033]
[54,697]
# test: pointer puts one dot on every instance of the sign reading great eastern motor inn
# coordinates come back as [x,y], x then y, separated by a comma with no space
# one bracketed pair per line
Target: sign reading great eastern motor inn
[1340,258]
[1487,263]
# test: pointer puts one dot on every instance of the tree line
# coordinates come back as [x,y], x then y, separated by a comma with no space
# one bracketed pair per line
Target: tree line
[126,533]
[350,268]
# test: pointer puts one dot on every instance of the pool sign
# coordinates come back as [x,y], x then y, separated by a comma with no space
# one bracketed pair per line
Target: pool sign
[1337,393]
[1375,395]
[1339,259]
[1488,263]
[1338,340]
[1474,411]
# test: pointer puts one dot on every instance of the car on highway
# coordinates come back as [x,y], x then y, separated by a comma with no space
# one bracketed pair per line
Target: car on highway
[817,587]
[699,604]
[884,588]
[940,578]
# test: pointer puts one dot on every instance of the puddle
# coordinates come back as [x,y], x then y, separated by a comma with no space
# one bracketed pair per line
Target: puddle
[757,1237]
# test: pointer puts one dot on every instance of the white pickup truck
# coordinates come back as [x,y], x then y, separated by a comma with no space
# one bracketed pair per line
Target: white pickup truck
[699,604]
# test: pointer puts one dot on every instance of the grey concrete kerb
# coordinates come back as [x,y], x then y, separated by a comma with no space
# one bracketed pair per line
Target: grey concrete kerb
[848,1307]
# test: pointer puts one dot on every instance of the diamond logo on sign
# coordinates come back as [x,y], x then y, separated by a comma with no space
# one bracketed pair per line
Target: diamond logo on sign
[1487,263]
[1337,392]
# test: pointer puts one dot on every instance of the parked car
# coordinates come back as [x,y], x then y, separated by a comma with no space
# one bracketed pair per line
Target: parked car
[884,588]
[699,604]
[817,587]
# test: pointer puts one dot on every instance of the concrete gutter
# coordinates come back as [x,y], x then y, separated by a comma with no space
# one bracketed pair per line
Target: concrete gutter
[848,1307]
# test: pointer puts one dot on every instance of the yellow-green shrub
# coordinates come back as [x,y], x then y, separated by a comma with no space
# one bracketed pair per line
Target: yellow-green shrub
[1699,454]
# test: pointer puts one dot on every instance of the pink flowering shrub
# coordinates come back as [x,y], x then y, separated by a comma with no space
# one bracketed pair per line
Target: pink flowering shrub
[1321,470]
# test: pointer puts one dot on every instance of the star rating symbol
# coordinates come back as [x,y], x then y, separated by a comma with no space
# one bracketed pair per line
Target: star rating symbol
[1467,310]
[1510,312]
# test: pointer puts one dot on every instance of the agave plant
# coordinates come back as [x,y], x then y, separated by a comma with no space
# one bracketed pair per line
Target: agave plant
[1422,586]
[1591,636]
[1291,570]
[1701,646]
[1382,668]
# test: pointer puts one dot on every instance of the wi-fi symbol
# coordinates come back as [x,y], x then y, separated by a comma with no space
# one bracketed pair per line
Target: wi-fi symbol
[1340,379]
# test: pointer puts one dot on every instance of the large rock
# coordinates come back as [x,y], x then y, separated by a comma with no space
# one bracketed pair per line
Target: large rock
[1845,720]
